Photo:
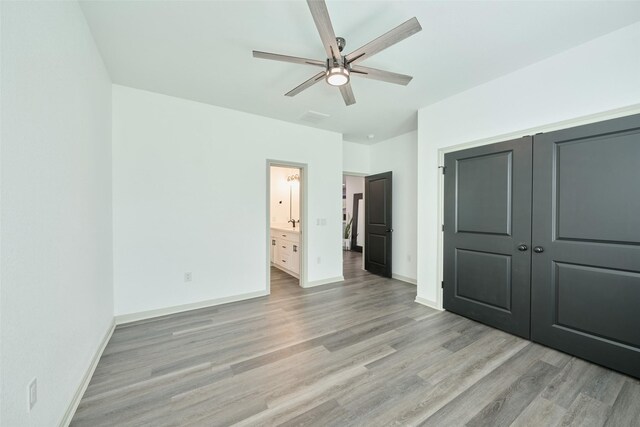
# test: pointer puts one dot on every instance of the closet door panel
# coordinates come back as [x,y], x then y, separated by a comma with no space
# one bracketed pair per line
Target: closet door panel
[487,217]
[585,295]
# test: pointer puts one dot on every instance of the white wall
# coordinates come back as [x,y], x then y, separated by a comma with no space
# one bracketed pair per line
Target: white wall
[398,155]
[592,78]
[56,281]
[355,158]
[189,195]
[280,202]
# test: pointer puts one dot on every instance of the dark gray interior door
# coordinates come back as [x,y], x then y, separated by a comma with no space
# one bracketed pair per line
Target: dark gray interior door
[586,238]
[487,234]
[377,223]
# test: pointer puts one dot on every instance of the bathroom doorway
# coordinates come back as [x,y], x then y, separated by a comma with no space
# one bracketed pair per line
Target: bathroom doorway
[286,227]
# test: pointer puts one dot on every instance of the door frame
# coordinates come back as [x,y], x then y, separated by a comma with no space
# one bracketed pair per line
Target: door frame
[578,121]
[304,203]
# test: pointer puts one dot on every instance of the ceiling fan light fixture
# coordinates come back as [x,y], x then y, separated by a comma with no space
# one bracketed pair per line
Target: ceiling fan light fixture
[337,76]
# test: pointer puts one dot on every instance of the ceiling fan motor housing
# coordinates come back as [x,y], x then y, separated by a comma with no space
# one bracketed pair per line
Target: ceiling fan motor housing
[340,61]
[338,71]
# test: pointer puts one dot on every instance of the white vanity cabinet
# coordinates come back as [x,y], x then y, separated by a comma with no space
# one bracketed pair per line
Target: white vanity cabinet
[285,250]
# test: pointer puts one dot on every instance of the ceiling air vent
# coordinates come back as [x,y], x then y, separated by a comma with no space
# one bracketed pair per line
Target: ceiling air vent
[313,117]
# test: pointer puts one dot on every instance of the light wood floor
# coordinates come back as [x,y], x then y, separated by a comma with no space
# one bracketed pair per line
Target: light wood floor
[356,353]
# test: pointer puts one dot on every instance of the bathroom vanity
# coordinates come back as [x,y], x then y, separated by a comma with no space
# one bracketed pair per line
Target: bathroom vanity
[285,250]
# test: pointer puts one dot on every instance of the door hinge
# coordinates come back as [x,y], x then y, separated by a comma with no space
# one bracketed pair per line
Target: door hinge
[442,284]
[442,227]
[444,168]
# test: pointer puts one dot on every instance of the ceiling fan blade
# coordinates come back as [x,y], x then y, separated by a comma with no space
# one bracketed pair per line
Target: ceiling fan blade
[320,15]
[347,94]
[307,84]
[287,58]
[389,38]
[385,76]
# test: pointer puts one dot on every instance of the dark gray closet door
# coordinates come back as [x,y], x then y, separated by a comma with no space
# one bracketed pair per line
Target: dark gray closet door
[586,238]
[377,223]
[487,233]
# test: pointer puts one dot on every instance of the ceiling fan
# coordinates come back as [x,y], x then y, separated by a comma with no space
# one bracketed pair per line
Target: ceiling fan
[338,68]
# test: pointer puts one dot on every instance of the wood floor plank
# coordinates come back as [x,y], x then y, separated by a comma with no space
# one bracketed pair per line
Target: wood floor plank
[448,381]
[586,411]
[290,406]
[368,407]
[540,412]
[467,336]
[359,352]
[503,410]
[478,356]
[626,409]
[568,384]
[462,407]
[326,413]
[556,358]
[604,385]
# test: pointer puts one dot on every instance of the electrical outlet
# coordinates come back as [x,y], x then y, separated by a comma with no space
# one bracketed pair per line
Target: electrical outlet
[408,258]
[187,276]
[319,260]
[32,393]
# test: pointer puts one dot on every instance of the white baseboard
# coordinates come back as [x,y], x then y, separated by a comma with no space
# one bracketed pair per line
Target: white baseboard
[324,282]
[428,303]
[82,387]
[142,315]
[404,279]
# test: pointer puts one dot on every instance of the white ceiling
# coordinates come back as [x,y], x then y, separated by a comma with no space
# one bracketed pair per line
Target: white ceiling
[201,50]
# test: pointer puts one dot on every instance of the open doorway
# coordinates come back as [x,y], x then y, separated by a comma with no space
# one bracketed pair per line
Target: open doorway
[285,227]
[353,215]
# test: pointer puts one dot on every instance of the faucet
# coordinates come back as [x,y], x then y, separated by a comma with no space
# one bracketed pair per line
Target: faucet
[293,221]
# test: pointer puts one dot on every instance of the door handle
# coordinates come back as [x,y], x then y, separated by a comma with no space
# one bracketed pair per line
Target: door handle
[523,247]
[389,230]
[538,249]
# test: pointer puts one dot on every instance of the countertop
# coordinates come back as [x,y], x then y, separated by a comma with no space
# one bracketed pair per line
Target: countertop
[286,229]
